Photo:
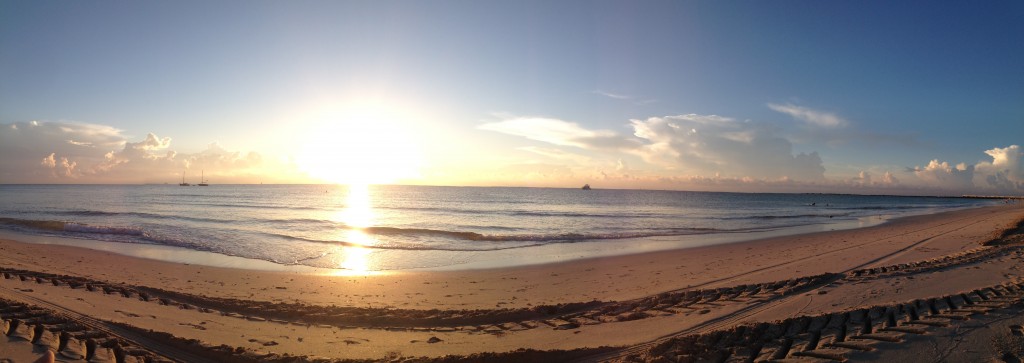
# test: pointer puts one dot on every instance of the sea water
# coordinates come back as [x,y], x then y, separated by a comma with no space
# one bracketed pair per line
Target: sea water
[382,228]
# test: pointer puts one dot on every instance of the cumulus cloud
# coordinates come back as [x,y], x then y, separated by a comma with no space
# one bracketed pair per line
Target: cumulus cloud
[945,176]
[711,144]
[865,179]
[690,143]
[49,161]
[810,116]
[63,148]
[43,152]
[64,168]
[152,142]
[709,152]
[889,179]
[1002,175]
[1005,172]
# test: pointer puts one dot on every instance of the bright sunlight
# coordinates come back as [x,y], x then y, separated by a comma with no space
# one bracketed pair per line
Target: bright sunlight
[358,214]
[360,145]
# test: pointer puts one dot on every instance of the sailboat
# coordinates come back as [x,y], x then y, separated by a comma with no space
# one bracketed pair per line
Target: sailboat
[202,179]
[183,183]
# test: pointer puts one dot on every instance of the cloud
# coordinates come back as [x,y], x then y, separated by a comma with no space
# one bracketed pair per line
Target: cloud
[712,152]
[865,179]
[711,144]
[689,143]
[1002,175]
[617,96]
[48,152]
[557,154]
[65,168]
[945,176]
[1005,173]
[612,95]
[810,116]
[558,132]
[152,142]
[49,161]
[63,148]
[889,179]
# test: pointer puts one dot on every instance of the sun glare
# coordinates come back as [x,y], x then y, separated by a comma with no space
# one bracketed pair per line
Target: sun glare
[360,145]
[357,214]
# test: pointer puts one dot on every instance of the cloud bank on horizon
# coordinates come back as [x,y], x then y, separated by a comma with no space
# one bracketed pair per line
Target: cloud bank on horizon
[712,152]
[61,152]
[686,152]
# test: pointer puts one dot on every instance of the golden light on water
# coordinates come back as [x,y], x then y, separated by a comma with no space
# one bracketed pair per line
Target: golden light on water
[358,214]
[356,258]
[358,208]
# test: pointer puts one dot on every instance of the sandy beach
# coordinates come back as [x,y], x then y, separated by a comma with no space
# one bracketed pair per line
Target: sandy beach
[905,288]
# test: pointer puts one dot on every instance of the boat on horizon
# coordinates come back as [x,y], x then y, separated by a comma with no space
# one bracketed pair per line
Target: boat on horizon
[183,183]
[586,187]
[202,180]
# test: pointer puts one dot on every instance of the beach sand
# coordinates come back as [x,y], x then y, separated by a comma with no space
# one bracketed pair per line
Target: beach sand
[860,294]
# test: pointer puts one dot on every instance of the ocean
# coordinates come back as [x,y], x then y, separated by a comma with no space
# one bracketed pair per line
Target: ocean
[388,228]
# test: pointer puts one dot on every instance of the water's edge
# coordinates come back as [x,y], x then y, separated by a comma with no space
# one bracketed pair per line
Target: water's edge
[548,254]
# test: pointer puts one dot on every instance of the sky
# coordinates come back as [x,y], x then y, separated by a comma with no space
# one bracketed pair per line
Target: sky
[754,96]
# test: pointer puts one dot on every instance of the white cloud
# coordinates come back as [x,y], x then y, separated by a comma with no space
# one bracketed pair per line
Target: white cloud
[557,132]
[711,144]
[557,154]
[42,152]
[613,95]
[689,143]
[810,116]
[945,176]
[80,143]
[863,178]
[889,179]
[152,142]
[1005,173]
[633,99]
[63,169]
[49,161]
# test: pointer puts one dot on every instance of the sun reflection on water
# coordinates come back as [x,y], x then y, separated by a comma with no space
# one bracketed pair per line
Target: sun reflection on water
[358,214]
[358,211]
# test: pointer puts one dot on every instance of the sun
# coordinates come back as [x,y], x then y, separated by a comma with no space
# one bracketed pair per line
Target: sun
[360,145]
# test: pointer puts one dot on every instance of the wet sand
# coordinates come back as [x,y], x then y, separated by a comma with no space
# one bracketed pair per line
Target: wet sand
[644,304]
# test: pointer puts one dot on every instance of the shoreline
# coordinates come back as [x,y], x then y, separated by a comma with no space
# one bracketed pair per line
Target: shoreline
[553,253]
[622,301]
[567,281]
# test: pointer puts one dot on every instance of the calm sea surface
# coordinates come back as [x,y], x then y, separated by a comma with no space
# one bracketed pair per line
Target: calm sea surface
[406,227]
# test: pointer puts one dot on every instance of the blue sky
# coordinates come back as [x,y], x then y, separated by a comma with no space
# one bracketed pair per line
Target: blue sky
[500,93]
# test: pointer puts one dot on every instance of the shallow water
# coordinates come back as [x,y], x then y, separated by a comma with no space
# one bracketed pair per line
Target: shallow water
[407,227]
